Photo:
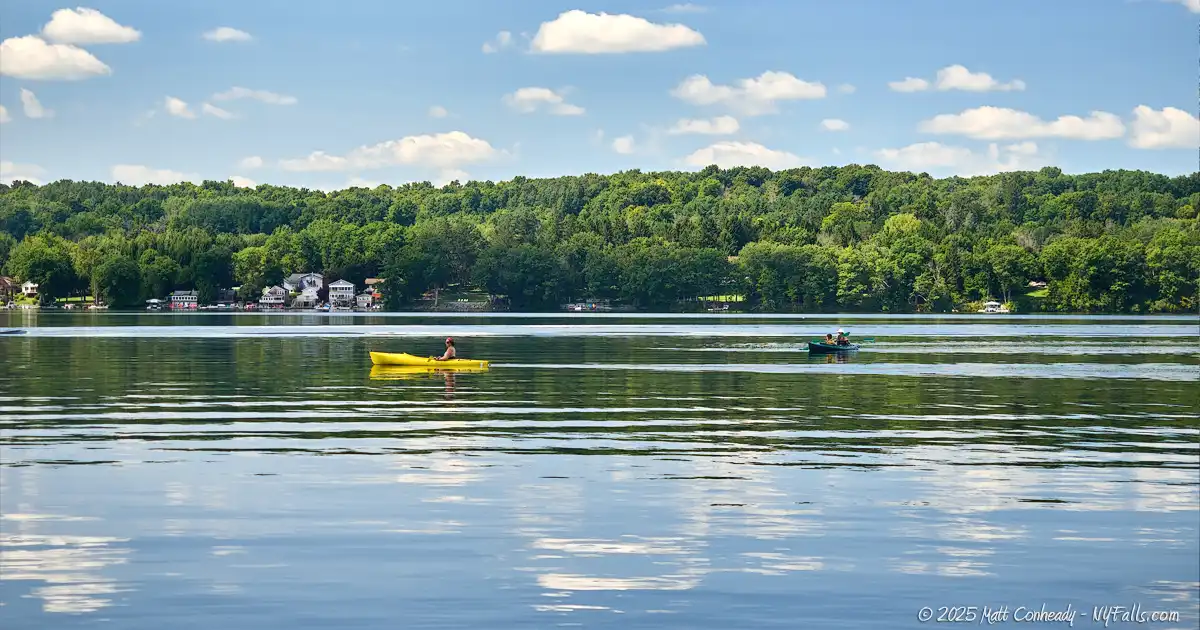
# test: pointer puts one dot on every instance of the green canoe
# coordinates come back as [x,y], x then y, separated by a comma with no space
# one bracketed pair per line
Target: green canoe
[814,346]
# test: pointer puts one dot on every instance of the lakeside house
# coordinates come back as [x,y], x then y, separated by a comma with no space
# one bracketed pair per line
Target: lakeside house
[366,299]
[300,282]
[184,300]
[341,293]
[307,299]
[307,285]
[273,297]
[29,289]
[8,288]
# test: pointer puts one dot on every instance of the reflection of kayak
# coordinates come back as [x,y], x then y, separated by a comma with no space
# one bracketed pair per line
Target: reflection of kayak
[403,358]
[814,346]
[401,372]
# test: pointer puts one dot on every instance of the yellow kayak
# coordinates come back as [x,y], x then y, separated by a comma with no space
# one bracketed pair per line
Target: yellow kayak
[404,372]
[403,358]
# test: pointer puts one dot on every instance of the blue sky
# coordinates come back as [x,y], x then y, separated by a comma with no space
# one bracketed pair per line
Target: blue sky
[589,87]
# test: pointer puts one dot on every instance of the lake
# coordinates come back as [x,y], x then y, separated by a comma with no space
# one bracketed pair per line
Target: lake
[620,471]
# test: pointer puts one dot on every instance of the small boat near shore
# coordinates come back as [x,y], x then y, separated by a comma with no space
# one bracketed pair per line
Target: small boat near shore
[12,331]
[403,358]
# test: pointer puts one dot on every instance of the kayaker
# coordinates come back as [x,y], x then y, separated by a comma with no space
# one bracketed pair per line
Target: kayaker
[828,339]
[449,350]
[841,338]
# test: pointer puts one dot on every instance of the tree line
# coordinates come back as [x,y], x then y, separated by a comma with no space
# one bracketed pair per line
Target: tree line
[851,238]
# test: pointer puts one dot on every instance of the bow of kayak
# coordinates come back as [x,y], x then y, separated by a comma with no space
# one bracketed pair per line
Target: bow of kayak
[403,358]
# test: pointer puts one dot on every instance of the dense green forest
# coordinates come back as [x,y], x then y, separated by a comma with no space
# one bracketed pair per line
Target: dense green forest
[852,238]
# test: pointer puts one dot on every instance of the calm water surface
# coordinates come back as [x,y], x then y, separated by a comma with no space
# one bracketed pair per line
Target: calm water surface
[250,471]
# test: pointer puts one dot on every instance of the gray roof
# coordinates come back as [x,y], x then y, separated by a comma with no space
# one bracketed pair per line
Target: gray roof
[297,277]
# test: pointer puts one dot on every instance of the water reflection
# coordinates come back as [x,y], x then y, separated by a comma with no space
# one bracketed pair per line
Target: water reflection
[71,568]
[602,480]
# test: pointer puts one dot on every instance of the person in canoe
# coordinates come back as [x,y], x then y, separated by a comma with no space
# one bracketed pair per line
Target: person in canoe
[828,339]
[450,354]
[842,339]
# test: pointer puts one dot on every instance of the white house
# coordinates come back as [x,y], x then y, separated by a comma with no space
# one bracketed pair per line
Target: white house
[185,299]
[341,293]
[29,289]
[307,299]
[273,296]
[366,299]
[299,282]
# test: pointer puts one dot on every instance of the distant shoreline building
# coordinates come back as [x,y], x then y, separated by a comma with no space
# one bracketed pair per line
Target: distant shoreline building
[184,300]
[273,296]
[341,293]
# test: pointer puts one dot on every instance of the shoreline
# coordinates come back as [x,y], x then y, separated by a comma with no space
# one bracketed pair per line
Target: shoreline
[617,315]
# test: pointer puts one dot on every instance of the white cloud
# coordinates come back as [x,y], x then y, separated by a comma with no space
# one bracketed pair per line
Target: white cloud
[227,34]
[952,160]
[31,57]
[87,26]
[213,110]
[909,84]
[442,151]
[580,32]
[502,40]
[437,111]
[271,98]
[719,126]
[451,175]
[1169,128]
[730,154]
[834,124]
[253,161]
[10,171]
[138,175]
[623,145]
[4,117]
[242,182]
[957,77]
[751,97]
[177,107]
[33,107]
[688,7]
[1000,123]
[1192,5]
[531,99]
[361,182]
[846,88]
